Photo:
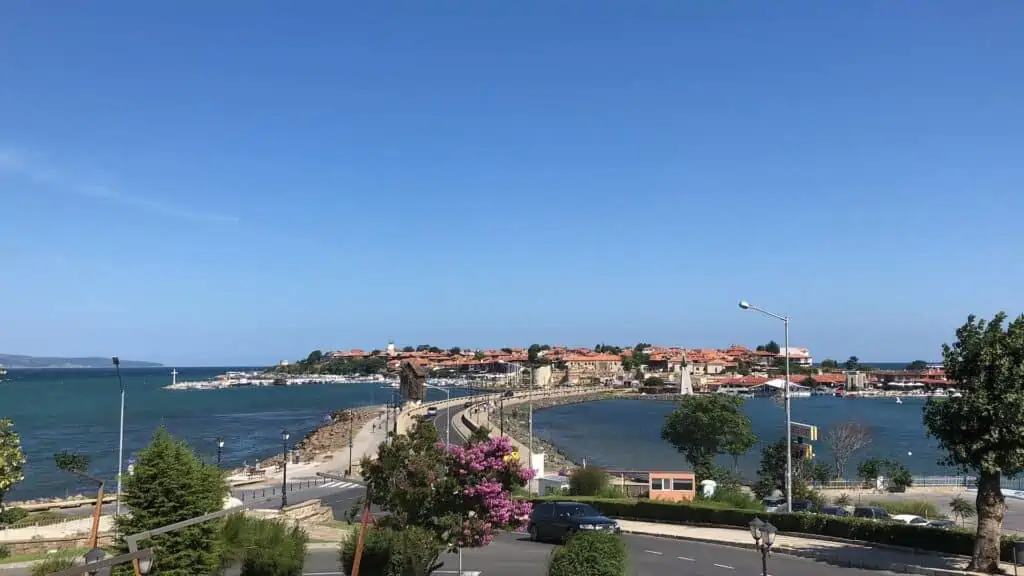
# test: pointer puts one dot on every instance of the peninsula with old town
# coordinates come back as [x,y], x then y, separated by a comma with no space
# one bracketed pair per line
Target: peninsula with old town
[647,368]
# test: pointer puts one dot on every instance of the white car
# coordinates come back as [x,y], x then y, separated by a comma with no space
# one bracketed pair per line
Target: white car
[911,519]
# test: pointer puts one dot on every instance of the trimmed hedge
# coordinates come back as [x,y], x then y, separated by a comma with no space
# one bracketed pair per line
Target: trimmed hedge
[590,554]
[944,540]
[410,552]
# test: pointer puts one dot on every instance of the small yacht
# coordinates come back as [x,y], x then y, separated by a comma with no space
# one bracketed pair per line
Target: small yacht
[899,400]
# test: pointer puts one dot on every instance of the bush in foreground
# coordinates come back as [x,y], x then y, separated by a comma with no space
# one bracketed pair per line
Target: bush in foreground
[922,508]
[12,515]
[5,552]
[590,554]
[949,541]
[263,547]
[413,551]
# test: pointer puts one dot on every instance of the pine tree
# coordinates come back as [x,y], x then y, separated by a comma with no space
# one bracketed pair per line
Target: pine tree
[170,484]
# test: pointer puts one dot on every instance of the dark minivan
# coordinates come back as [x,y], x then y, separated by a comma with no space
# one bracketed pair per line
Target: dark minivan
[559,520]
[871,512]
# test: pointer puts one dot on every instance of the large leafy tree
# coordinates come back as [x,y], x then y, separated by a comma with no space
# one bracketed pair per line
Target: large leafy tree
[983,429]
[702,427]
[771,474]
[171,483]
[11,458]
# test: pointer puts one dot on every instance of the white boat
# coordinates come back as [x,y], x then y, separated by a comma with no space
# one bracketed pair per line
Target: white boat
[899,400]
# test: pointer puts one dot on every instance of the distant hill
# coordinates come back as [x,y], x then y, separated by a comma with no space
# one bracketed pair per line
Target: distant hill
[19,361]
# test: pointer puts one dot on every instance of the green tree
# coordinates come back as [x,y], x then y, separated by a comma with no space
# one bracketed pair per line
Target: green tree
[314,358]
[821,473]
[654,382]
[917,366]
[506,350]
[829,364]
[702,427]
[423,348]
[980,431]
[170,484]
[853,363]
[408,349]
[961,508]
[771,474]
[870,469]
[479,356]
[773,347]
[588,482]
[11,458]
[71,461]
[455,350]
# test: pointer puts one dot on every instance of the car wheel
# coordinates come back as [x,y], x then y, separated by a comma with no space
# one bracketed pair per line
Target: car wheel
[533,534]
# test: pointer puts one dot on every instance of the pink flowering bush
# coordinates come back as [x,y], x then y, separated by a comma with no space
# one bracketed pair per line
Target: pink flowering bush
[462,494]
[486,474]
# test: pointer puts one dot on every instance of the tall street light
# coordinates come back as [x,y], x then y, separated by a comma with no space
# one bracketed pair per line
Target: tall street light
[220,448]
[120,440]
[789,435]
[284,476]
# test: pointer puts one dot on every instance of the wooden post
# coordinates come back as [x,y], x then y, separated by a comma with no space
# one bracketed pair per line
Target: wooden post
[94,536]
[362,535]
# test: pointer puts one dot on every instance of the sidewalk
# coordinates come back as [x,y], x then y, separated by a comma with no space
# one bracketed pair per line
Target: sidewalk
[78,527]
[833,551]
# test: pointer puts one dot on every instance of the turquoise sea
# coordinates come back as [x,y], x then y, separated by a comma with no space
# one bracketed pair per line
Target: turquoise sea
[78,410]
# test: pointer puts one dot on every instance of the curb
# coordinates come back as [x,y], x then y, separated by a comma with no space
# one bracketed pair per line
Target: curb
[801,553]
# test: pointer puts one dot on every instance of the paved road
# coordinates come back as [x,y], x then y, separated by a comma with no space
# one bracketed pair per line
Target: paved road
[512,555]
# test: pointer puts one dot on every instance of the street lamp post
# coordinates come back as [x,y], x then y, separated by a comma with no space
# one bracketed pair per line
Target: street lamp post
[120,438]
[220,449]
[284,476]
[764,537]
[789,416]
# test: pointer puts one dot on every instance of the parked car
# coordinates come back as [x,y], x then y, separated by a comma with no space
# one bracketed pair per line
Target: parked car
[559,520]
[508,394]
[804,506]
[941,523]
[871,512]
[835,511]
[774,504]
[911,519]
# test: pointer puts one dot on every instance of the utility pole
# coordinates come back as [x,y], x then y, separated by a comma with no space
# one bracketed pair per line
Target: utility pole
[351,419]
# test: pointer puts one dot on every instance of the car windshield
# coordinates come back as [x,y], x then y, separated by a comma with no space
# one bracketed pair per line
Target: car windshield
[578,510]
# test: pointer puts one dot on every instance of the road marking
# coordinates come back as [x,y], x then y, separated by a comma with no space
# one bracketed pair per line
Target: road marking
[653,552]
[724,566]
[339,485]
[685,558]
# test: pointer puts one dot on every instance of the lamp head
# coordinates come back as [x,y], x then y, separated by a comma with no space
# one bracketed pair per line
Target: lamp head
[744,304]
[116,361]
[284,435]
[220,442]
[756,525]
[145,565]
[769,534]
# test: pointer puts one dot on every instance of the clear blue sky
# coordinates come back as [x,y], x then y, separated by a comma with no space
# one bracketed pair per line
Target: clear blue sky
[240,182]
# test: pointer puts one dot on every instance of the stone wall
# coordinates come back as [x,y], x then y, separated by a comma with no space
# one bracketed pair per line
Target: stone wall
[42,546]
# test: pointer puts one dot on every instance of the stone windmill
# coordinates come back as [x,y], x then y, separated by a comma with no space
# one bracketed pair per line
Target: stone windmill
[414,378]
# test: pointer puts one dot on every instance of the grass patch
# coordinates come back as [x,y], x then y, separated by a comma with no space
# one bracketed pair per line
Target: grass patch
[922,508]
[42,556]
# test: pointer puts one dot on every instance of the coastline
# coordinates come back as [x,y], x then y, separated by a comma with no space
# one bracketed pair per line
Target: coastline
[517,425]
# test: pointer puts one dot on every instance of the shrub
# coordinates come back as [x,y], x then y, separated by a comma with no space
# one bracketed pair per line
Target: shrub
[732,498]
[916,507]
[899,476]
[961,508]
[843,500]
[588,482]
[413,551]
[5,552]
[590,554]
[868,470]
[12,515]
[54,563]
[947,541]
[263,547]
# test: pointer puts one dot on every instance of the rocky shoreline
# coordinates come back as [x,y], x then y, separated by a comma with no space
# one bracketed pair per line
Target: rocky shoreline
[517,425]
[330,437]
